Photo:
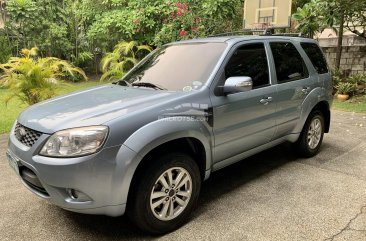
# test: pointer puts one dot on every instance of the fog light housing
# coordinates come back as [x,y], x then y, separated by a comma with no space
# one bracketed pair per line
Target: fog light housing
[77,195]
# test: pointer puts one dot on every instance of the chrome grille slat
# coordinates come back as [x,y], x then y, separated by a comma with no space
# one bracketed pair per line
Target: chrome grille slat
[29,136]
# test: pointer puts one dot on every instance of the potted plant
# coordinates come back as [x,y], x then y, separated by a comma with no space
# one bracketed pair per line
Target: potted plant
[338,76]
[344,89]
[359,80]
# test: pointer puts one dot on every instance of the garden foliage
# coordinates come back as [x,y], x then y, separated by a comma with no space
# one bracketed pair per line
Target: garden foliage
[32,78]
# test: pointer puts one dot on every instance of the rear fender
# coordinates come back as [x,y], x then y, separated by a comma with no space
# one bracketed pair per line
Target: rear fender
[316,96]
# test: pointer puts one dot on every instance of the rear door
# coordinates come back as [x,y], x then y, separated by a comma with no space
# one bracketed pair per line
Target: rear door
[293,84]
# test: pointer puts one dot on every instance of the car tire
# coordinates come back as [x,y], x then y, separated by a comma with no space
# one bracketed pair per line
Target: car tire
[164,193]
[311,137]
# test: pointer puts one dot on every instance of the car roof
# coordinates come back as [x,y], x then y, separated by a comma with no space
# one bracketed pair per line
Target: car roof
[235,39]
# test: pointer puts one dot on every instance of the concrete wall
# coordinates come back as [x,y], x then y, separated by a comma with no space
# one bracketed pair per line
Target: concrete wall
[353,53]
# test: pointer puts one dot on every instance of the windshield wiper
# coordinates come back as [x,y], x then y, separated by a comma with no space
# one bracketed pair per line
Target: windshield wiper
[122,82]
[148,85]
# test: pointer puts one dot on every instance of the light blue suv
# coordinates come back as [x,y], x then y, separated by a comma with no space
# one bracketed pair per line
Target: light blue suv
[144,145]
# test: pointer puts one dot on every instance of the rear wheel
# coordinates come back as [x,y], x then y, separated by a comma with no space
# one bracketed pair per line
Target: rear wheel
[311,136]
[165,193]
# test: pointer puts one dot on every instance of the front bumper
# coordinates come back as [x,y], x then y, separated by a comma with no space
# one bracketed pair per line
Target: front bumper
[99,177]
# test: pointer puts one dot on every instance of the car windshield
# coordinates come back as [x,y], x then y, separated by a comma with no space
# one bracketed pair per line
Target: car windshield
[182,67]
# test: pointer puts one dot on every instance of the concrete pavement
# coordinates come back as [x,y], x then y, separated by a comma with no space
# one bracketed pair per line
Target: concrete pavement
[271,196]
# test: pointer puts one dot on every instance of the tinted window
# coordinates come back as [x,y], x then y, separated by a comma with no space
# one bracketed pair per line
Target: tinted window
[316,57]
[288,61]
[249,60]
[178,67]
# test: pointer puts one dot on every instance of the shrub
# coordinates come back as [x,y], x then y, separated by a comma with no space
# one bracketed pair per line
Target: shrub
[345,88]
[124,57]
[5,49]
[32,79]
[357,79]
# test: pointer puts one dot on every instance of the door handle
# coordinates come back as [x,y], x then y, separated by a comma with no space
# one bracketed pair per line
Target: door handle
[265,101]
[305,90]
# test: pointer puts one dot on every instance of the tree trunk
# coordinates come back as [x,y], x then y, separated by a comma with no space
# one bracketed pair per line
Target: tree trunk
[340,41]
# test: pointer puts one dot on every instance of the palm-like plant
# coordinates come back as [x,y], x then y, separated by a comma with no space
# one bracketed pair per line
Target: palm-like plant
[125,56]
[307,19]
[345,88]
[33,79]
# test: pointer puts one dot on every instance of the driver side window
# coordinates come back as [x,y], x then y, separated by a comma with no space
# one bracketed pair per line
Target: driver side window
[249,60]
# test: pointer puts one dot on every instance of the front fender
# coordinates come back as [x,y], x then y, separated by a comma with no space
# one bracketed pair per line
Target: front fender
[161,131]
[153,135]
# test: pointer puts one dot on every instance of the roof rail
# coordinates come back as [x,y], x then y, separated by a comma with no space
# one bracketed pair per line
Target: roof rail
[261,32]
[232,33]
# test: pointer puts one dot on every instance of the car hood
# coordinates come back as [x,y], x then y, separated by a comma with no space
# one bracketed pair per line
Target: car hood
[91,107]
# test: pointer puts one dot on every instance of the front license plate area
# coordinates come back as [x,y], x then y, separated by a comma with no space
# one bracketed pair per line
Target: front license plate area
[13,162]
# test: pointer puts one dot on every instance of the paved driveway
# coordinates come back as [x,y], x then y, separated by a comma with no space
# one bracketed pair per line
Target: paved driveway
[271,196]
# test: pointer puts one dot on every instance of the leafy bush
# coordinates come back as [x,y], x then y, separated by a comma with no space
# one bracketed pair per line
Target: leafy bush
[32,79]
[83,59]
[78,30]
[125,55]
[345,88]
[357,79]
[161,21]
[338,76]
[47,24]
[5,49]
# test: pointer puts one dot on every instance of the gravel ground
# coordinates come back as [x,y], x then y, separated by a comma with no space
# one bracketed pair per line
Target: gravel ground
[270,196]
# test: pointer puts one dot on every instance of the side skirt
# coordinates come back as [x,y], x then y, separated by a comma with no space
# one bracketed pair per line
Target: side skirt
[239,157]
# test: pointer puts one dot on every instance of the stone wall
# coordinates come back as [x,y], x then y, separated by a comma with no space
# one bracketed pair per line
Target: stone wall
[353,59]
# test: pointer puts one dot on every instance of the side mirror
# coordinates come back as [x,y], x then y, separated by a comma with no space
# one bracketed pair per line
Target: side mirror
[237,84]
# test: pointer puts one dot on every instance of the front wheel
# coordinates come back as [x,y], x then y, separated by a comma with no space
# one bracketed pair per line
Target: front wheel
[165,193]
[311,136]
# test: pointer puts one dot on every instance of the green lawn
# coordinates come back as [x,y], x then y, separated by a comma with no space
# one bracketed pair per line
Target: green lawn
[355,104]
[8,113]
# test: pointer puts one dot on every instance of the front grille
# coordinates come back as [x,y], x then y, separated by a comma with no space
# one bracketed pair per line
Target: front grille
[25,135]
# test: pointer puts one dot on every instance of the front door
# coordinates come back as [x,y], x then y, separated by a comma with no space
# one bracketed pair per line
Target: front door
[245,120]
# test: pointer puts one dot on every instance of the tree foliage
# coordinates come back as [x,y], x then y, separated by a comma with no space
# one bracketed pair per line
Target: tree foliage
[319,14]
[161,21]
[309,21]
[316,15]
[5,49]
[41,23]
[81,31]
[355,18]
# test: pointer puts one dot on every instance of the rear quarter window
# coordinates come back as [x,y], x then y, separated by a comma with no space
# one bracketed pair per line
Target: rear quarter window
[316,57]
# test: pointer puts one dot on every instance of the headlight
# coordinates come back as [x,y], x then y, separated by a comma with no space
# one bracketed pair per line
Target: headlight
[75,142]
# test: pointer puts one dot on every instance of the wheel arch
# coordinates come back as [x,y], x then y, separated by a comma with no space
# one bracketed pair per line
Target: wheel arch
[324,108]
[316,100]
[190,137]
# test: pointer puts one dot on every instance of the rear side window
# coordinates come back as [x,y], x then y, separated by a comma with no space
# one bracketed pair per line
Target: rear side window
[289,64]
[249,60]
[316,57]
